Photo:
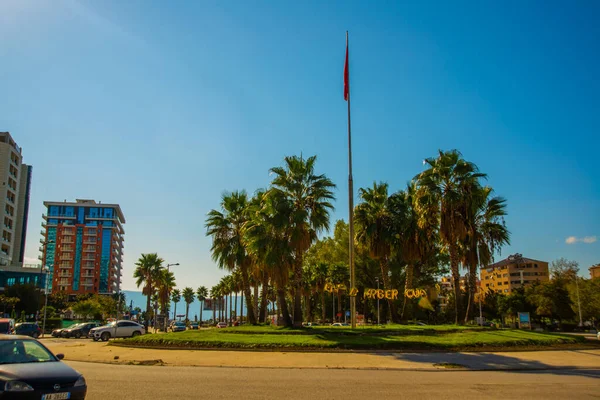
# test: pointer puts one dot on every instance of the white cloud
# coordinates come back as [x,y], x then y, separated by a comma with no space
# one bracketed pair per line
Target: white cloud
[586,239]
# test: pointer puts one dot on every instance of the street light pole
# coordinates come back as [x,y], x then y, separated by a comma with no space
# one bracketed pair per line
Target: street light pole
[47,272]
[377,279]
[578,301]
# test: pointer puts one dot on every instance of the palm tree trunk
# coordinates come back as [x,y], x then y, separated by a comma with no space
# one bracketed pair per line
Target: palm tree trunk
[323,306]
[262,315]
[250,309]
[408,284]
[213,309]
[235,306]
[227,307]
[298,292]
[147,322]
[283,308]
[472,289]
[201,307]
[456,281]
[255,300]
[392,311]
[241,306]
[175,312]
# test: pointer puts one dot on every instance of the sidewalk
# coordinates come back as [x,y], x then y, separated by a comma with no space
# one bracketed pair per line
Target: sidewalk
[532,360]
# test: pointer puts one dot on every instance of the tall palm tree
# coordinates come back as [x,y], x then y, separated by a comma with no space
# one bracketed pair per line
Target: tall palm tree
[165,283]
[188,297]
[487,233]
[155,303]
[374,229]
[267,235]
[308,198]
[146,272]
[214,294]
[412,242]
[227,286]
[201,295]
[175,298]
[448,183]
[228,248]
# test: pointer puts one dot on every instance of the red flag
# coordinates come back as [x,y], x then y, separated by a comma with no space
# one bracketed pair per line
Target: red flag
[346,75]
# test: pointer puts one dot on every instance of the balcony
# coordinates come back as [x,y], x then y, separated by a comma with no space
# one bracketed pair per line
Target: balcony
[89,259]
[67,257]
[69,249]
[68,232]
[65,275]
[89,250]
[87,241]
[87,266]
[45,217]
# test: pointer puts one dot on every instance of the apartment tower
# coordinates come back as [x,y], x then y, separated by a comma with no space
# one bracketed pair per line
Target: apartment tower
[513,272]
[14,202]
[83,246]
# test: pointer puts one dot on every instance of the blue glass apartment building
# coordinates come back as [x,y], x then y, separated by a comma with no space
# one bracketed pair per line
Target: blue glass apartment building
[82,246]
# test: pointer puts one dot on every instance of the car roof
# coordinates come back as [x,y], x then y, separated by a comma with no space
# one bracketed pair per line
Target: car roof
[6,319]
[15,337]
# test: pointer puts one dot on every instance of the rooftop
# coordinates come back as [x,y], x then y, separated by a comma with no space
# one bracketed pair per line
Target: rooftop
[87,203]
[513,259]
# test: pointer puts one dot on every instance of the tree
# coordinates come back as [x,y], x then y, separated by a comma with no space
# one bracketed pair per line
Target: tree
[228,248]
[59,300]
[446,185]
[564,269]
[87,309]
[201,295]
[165,283]
[176,298]
[148,267]
[486,234]
[374,230]
[8,302]
[188,297]
[308,197]
[30,298]
[214,294]
[589,298]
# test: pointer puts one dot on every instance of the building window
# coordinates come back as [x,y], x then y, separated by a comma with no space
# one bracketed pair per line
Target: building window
[504,275]
[505,290]
[535,265]
[506,282]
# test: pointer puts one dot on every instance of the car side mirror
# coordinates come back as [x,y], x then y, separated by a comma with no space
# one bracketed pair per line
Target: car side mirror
[60,356]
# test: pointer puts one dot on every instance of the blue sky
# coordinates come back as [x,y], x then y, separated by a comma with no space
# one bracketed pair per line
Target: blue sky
[161,108]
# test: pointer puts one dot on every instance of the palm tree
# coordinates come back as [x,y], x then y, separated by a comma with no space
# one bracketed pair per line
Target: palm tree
[214,294]
[267,236]
[319,277]
[201,295]
[374,229]
[227,290]
[175,298]
[188,296]
[228,248]
[155,303]
[487,233]
[308,198]
[165,283]
[146,272]
[446,185]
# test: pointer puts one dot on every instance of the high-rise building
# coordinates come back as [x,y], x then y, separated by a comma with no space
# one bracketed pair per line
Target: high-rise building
[595,271]
[14,207]
[513,272]
[83,246]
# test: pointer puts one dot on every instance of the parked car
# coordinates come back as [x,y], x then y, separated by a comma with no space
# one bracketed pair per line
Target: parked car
[79,330]
[336,324]
[222,325]
[30,371]
[7,325]
[117,329]
[598,335]
[193,325]
[57,332]
[28,329]
[178,326]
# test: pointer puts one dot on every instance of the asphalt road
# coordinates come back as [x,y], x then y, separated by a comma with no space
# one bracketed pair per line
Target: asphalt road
[142,382]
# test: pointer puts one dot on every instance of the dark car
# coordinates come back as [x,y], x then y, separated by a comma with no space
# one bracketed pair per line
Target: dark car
[57,332]
[28,370]
[79,330]
[28,329]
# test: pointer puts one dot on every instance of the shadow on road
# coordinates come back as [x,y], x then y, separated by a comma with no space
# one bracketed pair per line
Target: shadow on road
[492,361]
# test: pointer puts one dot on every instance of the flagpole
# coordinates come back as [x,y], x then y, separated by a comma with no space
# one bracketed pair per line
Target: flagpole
[350,204]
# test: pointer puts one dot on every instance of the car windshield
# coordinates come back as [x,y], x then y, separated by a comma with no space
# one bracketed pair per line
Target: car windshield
[23,351]
[4,326]
[179,324]
[76,326]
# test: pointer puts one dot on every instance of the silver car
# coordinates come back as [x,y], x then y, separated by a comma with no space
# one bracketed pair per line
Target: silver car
[117,329]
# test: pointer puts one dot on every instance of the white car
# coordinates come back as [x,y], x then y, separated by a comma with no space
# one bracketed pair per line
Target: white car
[117,329]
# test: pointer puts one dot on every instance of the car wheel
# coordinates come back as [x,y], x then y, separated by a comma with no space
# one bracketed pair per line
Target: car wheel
[94,339]
[77,335]
[136,333]
[35,335]
[105,336]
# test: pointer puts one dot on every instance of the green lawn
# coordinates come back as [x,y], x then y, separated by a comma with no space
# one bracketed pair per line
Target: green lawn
[400,337]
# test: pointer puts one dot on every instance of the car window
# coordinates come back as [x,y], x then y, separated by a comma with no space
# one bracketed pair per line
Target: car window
[23,351]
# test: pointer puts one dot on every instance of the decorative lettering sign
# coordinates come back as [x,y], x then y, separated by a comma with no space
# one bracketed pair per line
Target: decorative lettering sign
[390,294]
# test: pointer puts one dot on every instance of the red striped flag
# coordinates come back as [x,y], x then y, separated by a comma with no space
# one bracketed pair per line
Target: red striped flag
[346,75]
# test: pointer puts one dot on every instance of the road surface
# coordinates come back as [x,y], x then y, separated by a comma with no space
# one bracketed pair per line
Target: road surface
[155,382]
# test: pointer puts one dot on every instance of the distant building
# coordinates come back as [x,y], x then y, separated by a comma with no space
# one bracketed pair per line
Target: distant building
[447,286]
[595,271]
[513,272]
[14,206]
[21,275]
[83,246]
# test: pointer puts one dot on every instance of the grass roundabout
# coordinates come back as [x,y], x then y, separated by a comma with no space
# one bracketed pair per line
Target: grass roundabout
[395,337]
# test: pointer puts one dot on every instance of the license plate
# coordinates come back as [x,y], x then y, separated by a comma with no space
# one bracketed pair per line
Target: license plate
[57,396]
